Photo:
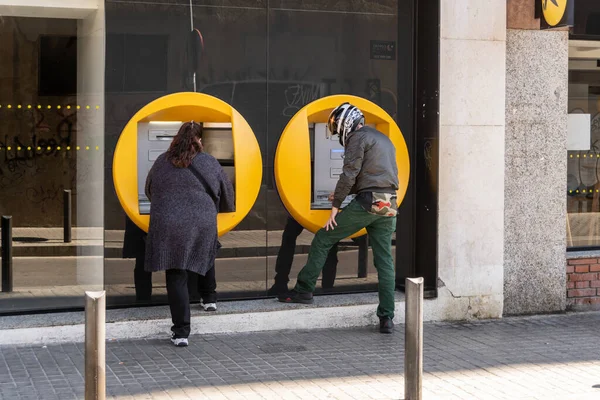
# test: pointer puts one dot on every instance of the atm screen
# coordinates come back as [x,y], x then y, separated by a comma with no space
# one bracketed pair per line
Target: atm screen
[154,138]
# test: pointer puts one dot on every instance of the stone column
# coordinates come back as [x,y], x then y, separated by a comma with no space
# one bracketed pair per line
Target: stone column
[536,164]
[471,177]
[89,184]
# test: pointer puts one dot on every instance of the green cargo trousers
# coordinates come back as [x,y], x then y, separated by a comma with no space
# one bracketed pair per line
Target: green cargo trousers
[349,221]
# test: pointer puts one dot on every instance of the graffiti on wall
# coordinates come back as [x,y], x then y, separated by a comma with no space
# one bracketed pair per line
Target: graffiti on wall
[37,159]
[21,150]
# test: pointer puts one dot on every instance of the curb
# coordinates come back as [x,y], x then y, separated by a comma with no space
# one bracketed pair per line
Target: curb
[308,318]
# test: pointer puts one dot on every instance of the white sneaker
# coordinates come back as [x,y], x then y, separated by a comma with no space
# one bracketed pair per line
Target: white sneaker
[179,342]
[209,306]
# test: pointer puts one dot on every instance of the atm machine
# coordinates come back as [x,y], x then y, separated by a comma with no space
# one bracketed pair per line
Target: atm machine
[327,166]
[155,137]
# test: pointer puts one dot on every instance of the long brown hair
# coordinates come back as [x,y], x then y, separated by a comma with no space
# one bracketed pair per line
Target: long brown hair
[185,145]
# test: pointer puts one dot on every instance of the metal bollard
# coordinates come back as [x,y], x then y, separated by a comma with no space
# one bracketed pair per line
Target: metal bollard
[413,340]
[95,341]
[67,216]
[7,254]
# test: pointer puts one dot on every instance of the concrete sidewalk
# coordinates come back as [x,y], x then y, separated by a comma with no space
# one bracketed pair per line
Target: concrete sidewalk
[544,357]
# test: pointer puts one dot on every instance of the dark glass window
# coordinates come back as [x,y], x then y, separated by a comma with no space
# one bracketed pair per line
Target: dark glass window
[58,66]
[136,63]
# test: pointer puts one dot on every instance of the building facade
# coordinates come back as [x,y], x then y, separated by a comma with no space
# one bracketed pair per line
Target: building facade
[495,105]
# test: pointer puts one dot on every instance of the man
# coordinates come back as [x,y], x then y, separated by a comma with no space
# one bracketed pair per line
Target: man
[371,172]
[285,258]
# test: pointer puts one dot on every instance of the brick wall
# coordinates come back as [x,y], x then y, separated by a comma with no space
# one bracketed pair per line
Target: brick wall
[583,284]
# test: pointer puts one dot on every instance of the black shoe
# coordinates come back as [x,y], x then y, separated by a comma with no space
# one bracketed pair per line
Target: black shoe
[277,289]
[386,325]
[296,297]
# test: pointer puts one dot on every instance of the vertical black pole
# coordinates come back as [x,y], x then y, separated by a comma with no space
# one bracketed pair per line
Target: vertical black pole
[363,255]
[67,215]
[406,220]
[7,276]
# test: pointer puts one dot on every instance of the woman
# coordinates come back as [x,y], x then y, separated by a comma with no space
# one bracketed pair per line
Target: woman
[187,188]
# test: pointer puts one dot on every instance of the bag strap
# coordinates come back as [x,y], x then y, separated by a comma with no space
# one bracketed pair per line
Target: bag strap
[206,186]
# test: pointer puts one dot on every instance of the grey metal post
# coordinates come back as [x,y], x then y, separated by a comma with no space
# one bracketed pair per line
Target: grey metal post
[67,216]
[7,254]
[413,340]
[95,340]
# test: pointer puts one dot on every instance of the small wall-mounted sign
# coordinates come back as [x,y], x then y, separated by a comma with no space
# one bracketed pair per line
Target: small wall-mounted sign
[579,132]
[383,50]
[555,13]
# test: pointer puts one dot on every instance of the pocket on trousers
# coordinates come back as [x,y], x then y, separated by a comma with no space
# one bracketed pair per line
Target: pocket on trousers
[384,204]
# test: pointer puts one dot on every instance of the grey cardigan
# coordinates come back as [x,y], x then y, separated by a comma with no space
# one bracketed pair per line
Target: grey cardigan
[183,214]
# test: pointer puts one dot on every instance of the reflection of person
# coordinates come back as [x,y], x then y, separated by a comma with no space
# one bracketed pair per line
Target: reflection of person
[134,246]
[186,188]
[205,286]
[285,257]
[370,171]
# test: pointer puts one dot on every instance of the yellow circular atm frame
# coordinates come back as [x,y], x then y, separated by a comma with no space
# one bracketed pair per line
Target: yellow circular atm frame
[554,10]
[199,107]
[292,157]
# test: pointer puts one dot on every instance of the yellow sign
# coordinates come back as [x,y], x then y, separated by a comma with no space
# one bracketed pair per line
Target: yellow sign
[187,107]
[292,157]
[554,11]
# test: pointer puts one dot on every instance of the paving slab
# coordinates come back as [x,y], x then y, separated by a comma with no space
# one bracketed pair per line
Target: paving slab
[542,357]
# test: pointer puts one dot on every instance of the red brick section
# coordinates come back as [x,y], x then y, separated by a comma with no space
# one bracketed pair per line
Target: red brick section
[583,282]
[582,268]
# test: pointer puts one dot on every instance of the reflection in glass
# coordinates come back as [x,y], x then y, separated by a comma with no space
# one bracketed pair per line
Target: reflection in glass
[583,145]
[52,142]
[214,48]
[317,49]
